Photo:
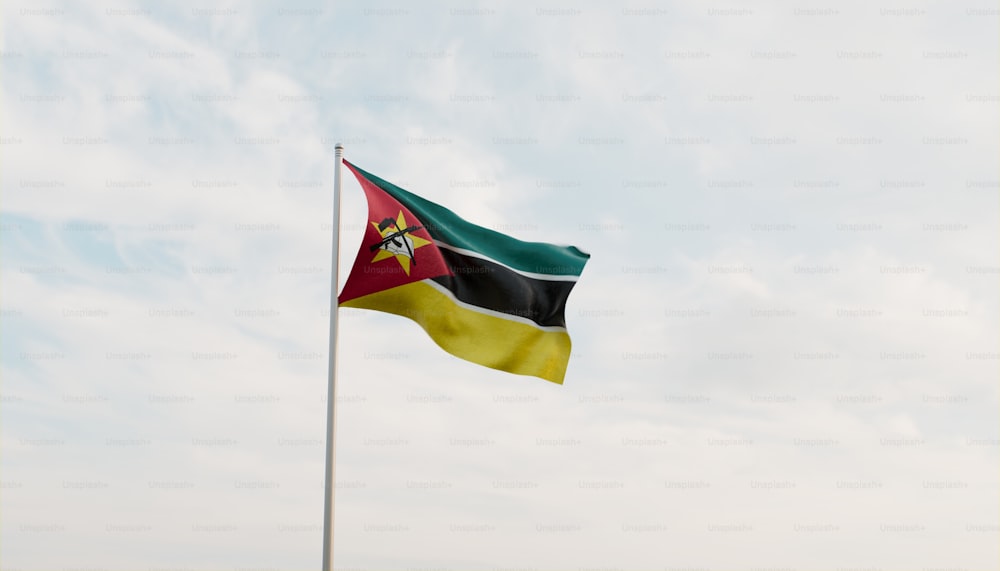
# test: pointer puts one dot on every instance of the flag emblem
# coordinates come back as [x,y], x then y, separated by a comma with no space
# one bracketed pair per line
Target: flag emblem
[397,241]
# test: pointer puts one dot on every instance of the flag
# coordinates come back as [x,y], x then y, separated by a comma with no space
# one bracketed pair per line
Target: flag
[481,295]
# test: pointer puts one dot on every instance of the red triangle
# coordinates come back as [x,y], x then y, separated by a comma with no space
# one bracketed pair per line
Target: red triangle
[369,277]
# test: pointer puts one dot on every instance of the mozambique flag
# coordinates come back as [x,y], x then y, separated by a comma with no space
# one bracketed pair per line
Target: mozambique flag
[481,295]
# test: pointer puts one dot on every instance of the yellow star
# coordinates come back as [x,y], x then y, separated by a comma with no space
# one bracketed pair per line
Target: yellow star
[400,246]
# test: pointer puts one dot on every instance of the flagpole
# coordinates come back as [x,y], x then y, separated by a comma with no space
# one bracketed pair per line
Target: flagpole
[331,389]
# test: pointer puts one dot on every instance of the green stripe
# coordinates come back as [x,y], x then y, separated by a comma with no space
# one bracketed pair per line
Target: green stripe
[444,225]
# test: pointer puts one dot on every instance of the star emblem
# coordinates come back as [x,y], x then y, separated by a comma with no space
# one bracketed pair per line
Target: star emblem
[397,241]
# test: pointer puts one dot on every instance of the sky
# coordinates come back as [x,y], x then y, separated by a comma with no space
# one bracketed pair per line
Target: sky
[785,343]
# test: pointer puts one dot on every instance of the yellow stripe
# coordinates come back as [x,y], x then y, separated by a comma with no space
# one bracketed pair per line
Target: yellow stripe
[492,341]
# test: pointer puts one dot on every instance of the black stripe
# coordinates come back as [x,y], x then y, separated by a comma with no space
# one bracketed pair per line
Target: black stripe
[491,286]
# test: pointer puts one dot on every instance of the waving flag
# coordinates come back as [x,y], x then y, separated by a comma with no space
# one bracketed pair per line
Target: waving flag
[481,295]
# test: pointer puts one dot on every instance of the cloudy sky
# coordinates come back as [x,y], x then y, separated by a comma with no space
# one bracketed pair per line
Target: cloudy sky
[785,342]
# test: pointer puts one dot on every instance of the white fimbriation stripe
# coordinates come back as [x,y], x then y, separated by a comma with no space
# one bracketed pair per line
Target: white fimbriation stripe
[472,254]
[490,312]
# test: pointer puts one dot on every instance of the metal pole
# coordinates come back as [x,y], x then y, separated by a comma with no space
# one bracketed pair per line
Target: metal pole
[331,391]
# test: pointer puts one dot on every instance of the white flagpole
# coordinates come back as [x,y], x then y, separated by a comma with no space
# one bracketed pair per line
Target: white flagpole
[331,391]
